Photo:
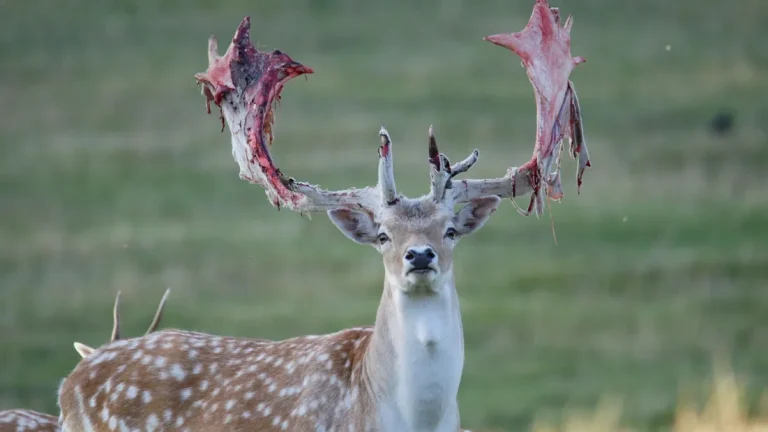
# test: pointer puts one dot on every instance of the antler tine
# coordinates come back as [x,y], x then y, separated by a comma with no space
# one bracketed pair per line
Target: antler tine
[116,317]
[386,183]
[245,83]
[159,313]
[466,164]
[441,171]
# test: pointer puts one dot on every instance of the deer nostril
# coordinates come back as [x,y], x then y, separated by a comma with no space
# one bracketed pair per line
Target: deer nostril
[430,254]
[409,256]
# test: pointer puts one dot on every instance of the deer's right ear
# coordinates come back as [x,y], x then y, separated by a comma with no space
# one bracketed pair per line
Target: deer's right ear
[359,226]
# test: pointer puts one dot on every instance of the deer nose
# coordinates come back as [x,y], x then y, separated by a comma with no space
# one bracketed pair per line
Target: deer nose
[420,257]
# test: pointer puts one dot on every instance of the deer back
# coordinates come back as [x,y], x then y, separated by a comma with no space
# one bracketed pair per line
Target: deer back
[176,379]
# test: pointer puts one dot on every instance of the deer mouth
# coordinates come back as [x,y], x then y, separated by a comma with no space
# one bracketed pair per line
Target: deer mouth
[421,270]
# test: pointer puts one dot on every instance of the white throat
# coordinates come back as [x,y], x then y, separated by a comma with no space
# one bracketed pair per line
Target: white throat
[423,360]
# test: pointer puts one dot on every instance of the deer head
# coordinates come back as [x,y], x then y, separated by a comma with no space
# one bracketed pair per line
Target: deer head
[415,236]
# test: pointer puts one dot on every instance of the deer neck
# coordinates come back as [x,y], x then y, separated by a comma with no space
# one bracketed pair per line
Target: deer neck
[415,359]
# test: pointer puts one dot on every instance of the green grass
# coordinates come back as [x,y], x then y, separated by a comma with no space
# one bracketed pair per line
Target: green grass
[113,178]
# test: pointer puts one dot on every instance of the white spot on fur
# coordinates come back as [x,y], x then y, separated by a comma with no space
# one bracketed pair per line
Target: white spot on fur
[131,392]
[152,422]
[186,393]
[177,372]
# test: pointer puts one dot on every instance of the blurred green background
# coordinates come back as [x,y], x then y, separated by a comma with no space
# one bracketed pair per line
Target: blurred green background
[112,177]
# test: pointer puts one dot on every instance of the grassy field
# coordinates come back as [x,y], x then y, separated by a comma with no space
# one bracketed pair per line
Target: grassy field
[112,177]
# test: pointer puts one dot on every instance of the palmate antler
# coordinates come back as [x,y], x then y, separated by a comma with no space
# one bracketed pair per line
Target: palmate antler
[245,83]
[545,50]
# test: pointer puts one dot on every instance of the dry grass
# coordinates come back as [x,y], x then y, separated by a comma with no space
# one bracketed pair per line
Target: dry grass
[725,411]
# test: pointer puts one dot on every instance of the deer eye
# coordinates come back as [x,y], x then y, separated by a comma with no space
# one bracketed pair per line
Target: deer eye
[451,233]
[383,238]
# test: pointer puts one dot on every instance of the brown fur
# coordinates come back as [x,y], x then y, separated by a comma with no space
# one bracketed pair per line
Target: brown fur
[24,420]
[183,380]
[198,381]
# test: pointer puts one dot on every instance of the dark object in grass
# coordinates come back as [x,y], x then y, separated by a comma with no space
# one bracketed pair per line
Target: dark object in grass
[722,122]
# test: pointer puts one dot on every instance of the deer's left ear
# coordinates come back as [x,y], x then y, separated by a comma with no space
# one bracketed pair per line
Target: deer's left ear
[473,216]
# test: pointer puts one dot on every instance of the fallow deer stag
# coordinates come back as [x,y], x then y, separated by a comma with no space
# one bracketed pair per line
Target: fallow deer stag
[402,373]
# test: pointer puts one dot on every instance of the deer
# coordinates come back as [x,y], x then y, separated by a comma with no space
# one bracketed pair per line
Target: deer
[19,420]
[403,372]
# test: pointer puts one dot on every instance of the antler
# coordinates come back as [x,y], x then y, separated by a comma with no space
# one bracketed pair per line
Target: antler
[152,326]
[116,319]
[158,313]
[544,48]
[85,350]
[245,83]
[441,171]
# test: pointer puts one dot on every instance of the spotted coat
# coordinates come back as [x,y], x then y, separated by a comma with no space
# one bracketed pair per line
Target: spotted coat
[219,383]
[216,383]
[24,420]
